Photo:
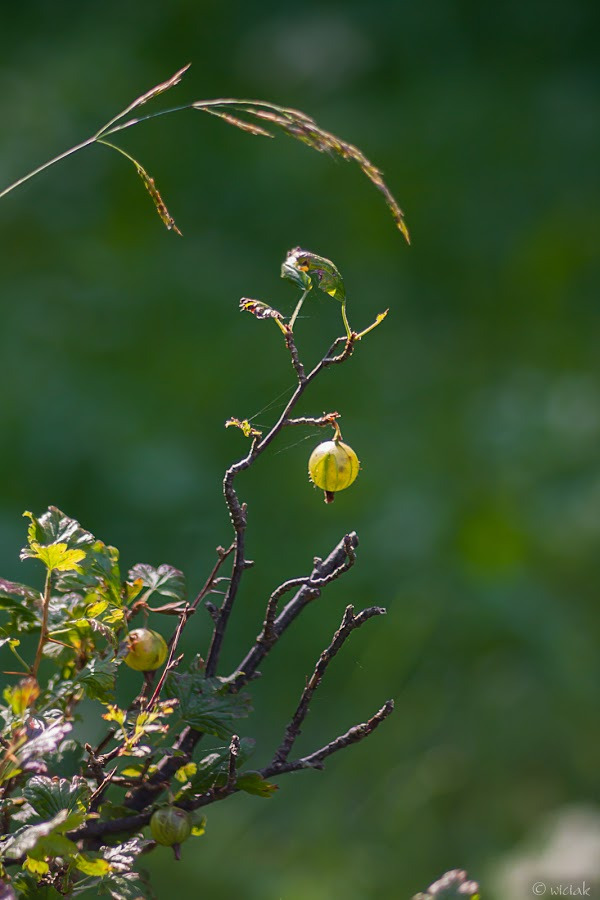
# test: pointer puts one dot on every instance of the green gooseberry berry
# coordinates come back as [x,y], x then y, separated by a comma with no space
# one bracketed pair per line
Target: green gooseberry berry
[333,466]
[171,826]
[147,650]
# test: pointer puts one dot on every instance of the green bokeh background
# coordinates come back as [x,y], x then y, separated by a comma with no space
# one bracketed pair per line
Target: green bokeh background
[475,409]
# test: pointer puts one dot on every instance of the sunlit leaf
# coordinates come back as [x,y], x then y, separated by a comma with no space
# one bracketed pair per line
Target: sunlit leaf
[185,772]
[91,866]
[57,557]
[25,840]
[166,581]
[259,309]
[199,827]
[245,427]
[36,866]
[28,888]
[49,796]
[22,695]
[114,714]
[54,527]
[302,265]
[122,857]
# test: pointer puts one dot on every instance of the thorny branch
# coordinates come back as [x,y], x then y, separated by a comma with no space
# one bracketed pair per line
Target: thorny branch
[349,623]
[352,736]
[341,558]
[237,510]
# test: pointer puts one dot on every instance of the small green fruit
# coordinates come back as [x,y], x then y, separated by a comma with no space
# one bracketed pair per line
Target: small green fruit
[147,650]
[333,466]
[170,826]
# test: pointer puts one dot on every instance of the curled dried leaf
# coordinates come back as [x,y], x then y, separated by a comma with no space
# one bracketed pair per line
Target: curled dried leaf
[244,426]
[259,309]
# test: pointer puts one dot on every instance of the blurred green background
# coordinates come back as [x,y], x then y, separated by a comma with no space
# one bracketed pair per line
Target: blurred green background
[475,409]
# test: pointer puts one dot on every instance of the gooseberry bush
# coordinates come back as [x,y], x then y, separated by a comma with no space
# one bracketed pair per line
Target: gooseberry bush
[75,817]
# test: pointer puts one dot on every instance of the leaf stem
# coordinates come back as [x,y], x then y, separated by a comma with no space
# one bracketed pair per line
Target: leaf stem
[44,631]
[297,310]
[345,319]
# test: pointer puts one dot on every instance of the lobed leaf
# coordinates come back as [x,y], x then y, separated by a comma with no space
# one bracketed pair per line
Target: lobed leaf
[29,889]
[54,527]
[49,796]
[98,680]
[26,839]
[57,557]
[166,581]
[254,783]
[205,705]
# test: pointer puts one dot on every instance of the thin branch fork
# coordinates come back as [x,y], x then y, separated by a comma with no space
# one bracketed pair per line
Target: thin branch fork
[237,510]
[352,736]
[131,824]
[336,564]
[349,623]
[341,558]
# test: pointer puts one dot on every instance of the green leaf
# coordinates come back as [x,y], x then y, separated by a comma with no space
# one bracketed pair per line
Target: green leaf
[54,845]
[454,885]
[121,882]
[122,857]
[26,839]
[57,557]
[199,827]
[128,886]
[254,783]
[96,609]
[294,273]
[54,527]
[101,575]
[91,866]
[29,889]
[22,603]
[9,590]
[37,867]
[301,266]
[98,680]
[213,767]
[29,750]
[165,581]
[48,796]
[22,695]
[205,704]
[186,772]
